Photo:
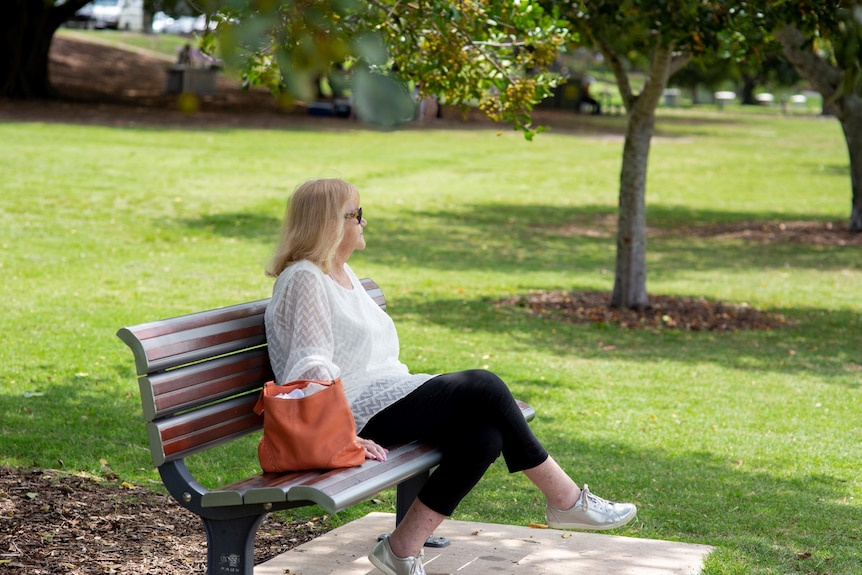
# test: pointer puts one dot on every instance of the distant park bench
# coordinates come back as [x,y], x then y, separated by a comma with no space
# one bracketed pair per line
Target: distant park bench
[181,79]
[724,97]
[200,376]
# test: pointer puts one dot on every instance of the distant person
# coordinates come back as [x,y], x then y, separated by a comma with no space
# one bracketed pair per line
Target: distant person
[189,56]
[185,55]
[586,98]
[429,109]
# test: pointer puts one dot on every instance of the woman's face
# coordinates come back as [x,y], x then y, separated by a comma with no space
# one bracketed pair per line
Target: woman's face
[354,225]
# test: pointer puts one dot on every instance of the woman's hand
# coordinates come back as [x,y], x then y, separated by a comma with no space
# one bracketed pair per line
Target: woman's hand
[372,450]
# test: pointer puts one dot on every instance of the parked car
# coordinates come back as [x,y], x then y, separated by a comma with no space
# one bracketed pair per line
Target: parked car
[116,14]
[160,22]
[106,13]
[82,17]
[183,25]
[131,15]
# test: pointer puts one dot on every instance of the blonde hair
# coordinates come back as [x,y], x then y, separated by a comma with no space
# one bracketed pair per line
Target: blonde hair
[313,224]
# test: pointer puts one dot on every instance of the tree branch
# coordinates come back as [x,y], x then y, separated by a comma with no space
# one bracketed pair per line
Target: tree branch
[660,69]
[63,12]
[824,77]
[616,65]
[466,41]
[678,61]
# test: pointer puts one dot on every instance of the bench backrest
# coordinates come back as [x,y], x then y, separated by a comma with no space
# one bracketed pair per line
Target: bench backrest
[201,374]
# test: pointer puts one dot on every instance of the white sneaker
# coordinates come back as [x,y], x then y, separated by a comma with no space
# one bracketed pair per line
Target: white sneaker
[591,512]
[384,559]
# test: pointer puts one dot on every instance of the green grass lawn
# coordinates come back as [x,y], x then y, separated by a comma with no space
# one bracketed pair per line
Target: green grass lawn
[747,441]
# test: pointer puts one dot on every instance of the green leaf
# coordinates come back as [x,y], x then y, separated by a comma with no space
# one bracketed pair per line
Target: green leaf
[381,99]
[371,48]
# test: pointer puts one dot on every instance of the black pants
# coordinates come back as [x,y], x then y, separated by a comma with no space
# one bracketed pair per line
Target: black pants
[473,418]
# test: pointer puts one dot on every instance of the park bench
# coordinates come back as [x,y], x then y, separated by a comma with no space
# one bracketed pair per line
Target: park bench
[200,376]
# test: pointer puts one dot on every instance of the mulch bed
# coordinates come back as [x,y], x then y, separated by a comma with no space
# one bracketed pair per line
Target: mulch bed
[53,522]
[665,312]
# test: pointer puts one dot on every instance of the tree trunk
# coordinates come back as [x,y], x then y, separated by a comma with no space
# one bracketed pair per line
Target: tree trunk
[749,83]
[630,279]
[26,32]
[851,123]
[847,107]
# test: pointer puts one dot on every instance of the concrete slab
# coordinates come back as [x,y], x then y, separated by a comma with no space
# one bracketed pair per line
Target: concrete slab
[490,549]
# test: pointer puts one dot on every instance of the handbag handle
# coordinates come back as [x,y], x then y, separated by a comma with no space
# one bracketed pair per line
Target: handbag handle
[295,384]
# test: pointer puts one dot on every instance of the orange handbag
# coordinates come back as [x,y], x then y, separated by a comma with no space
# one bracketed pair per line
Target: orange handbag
[316,431]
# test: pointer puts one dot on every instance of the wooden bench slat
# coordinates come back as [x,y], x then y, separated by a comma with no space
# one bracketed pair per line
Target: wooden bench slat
[527,410]
[337,491]
[182,435]
[215,498]
[241,333]
[374,291]
[195,336]
[221,498]
[164,327]
[331,489]
[187,387]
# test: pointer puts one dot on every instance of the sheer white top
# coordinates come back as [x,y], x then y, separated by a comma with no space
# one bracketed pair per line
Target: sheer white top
[317,329]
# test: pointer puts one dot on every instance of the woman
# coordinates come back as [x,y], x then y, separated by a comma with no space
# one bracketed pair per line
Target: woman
[321,324]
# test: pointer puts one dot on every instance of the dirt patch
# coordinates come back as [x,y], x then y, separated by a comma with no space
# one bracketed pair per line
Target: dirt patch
[665,312]
[762,232]
[51,522]
[99,84]
[802,232]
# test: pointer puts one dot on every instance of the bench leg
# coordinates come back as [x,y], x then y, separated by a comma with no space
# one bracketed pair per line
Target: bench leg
[407,492]
[230,545]
[404,497]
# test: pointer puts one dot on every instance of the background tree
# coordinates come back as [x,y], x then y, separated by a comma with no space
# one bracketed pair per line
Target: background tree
[771,70]
[26,32]
[712,72]
[703,74]
[823,41]
[667,33]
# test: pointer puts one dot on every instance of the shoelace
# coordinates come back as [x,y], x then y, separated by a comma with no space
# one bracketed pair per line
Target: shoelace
[596,502]
[418,568]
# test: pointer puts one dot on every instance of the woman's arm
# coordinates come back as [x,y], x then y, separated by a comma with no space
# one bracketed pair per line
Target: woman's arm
[300,331]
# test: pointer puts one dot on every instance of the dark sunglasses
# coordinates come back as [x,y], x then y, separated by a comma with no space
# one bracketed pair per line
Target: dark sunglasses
[357,214]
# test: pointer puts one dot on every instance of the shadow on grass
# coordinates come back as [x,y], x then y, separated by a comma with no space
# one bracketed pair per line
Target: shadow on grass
[522,239]
[81,423]
[827,343]
[519,239]
[244,225]
[753,516]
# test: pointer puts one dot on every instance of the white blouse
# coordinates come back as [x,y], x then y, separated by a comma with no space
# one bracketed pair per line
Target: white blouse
[317,329]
